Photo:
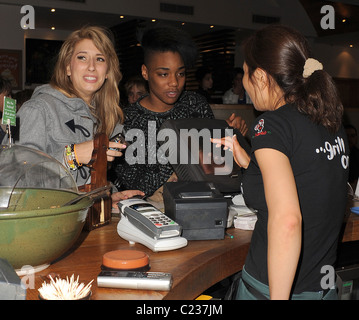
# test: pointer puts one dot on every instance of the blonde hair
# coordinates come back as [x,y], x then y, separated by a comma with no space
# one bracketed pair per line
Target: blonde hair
[105,103]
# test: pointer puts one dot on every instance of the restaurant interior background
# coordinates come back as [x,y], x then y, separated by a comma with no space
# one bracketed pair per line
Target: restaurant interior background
[27,55]
[218,28]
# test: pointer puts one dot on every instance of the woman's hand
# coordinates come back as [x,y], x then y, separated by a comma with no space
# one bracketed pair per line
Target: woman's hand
[241,157]
[123,195]
[84,151]
[112,154]
[238,123]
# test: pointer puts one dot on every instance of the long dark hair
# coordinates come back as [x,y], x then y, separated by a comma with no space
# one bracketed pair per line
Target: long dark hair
[282,52]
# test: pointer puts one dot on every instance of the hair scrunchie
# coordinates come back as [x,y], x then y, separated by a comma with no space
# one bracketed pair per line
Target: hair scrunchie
[311,65]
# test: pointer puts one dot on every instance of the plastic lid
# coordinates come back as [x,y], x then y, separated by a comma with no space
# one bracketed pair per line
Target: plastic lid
[23,168]
[125,259]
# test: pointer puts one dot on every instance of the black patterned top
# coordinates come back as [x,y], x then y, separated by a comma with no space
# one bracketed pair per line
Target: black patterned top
[149,175]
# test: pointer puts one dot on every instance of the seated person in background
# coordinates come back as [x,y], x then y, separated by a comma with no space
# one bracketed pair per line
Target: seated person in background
[237,94]
[5,91]
[62,118]
[205,81]
[353,155]
[22,96]
[136,87]
[168,52]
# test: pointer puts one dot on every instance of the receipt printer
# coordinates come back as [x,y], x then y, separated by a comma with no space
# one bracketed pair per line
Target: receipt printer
[198,207]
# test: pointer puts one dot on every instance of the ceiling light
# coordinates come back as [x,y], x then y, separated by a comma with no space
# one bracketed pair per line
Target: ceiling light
[344,20]
[53,10]
[53,28]
[351,46]
[121,17]
[212,26]
[153,20]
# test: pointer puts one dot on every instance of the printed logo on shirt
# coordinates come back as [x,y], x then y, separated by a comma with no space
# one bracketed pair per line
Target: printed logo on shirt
[71,124]
[259,128]
[333,150]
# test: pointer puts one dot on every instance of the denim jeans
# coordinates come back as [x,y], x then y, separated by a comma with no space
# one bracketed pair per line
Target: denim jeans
[263,290]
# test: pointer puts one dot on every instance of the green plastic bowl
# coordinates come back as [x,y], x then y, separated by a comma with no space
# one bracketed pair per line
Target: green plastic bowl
[35,229]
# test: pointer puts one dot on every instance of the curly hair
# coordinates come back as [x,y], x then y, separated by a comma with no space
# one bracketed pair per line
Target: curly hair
[166,38]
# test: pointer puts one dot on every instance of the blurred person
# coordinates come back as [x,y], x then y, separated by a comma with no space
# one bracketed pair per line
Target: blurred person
[205,81]
[237,94]
[136,87]
[22,96]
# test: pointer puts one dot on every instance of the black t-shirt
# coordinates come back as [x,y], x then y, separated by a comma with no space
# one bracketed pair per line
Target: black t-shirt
[320,165]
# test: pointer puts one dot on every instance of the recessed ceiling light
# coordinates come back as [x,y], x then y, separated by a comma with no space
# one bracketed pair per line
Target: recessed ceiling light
[153,20]
[344,20]
[121,17]
[53,28]
[212,26]
[351,46]
[53,10]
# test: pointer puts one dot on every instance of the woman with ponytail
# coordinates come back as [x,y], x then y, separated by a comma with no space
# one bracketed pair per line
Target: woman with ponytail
[296,174]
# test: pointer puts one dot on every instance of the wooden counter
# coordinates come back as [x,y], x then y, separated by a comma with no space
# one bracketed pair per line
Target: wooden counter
[194,268]
[351,227]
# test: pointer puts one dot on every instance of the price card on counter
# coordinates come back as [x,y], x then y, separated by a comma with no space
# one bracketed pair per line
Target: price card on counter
[9,111]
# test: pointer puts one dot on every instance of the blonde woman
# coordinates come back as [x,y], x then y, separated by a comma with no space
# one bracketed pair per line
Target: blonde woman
[82,99]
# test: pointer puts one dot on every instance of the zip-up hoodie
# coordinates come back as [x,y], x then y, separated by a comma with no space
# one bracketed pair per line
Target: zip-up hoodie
[49,121]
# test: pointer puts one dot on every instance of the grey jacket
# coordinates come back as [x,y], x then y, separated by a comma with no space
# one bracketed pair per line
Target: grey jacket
[49,121]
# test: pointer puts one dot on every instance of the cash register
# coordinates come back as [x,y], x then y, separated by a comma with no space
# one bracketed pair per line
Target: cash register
[199,200]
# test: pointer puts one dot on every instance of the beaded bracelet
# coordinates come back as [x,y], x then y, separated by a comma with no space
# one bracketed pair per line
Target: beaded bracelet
[70,157]
[76,160]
